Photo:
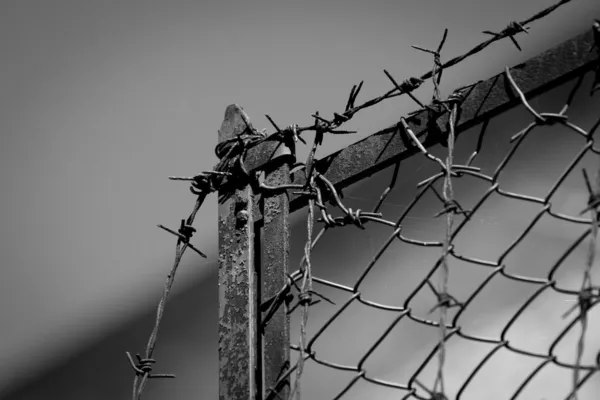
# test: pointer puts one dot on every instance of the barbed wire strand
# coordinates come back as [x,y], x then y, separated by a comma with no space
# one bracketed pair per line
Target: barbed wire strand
[304,299]
[442,292]
[143,368]
[587,284]
[512,29]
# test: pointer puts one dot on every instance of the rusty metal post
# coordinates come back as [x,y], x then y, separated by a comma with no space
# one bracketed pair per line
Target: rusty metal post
[238,284]
[275,266]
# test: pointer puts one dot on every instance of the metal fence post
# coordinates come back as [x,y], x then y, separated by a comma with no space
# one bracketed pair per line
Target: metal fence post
[238,284]
[275,260]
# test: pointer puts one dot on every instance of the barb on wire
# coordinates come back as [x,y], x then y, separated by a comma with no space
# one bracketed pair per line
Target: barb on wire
[184,234]
[510,31]
[433,395]
[407,86]
[451,206]
[291,130]
[445,300]
[306,299]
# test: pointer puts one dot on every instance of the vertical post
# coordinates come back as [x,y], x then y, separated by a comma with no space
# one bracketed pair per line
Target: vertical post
[238,283]
[275,256]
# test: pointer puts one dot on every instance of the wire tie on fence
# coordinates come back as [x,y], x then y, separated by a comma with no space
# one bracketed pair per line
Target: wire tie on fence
[585,300]
[232,152]
[336,194]
[144,367]
[593,195]
[539,119]
[593,203]
[510,31]
[445,300]
[455,171]
[552,118]
[354,217]
[451,206]
[327,219]
[305,298]
[419,145]
[432,395]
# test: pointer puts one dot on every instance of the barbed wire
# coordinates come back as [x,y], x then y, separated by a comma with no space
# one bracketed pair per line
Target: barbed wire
[231,167]
[410,84]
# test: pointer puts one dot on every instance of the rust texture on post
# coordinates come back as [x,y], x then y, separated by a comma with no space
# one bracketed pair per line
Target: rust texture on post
[238,284]
[485,100]
[275,266]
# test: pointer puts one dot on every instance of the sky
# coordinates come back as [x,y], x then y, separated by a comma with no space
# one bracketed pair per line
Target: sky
[102,101]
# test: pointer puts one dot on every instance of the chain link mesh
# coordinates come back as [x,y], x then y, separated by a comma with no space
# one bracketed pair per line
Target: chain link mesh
[586,297]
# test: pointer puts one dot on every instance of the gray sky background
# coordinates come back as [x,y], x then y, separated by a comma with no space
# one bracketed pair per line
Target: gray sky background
[102,101]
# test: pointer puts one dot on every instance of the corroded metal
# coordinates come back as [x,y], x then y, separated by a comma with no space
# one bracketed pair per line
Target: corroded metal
[275,265]
[238,284]
[484,100]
